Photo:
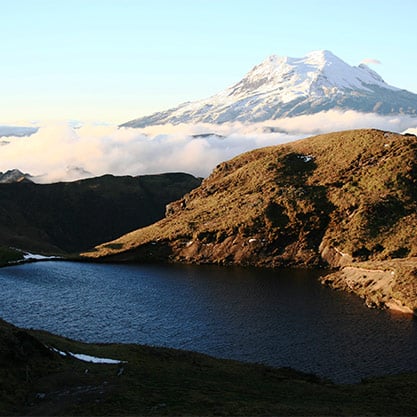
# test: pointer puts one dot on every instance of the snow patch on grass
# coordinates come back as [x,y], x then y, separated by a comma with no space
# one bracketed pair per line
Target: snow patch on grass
[33,256]
[87,358]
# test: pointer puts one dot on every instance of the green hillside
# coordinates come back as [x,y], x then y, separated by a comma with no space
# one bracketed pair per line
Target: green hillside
[330,200]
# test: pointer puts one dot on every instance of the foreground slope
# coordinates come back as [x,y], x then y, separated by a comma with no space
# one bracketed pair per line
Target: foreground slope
[73,216]
[334,199]
[283,87]
[36,380]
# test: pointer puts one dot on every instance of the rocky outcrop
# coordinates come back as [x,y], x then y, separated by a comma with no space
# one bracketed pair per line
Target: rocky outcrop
[389,285]
[13,176]
[333,256]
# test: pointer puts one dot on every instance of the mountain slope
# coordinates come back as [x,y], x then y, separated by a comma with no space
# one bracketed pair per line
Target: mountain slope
[74,216]
[333,199]
[283,86]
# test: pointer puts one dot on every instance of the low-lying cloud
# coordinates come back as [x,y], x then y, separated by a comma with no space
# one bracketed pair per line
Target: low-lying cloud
[60,152]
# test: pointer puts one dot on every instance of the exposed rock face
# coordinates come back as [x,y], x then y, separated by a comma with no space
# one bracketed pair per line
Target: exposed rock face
[331,200]
[387,284]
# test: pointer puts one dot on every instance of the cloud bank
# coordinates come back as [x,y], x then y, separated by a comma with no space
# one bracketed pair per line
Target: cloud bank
[62,152]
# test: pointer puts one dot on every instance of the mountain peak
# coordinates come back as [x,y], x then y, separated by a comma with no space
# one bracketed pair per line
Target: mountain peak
[282,86]
[322,54]
[303,76]
[14,175]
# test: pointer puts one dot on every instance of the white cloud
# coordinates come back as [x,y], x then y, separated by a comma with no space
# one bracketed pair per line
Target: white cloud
[369,61]
[59,152]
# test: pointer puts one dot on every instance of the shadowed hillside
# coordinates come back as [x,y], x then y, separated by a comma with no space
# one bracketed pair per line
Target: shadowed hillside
[36,380]
[74,216]
[333,199]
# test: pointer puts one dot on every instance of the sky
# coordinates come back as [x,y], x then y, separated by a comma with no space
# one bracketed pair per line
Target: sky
[115,60]
[105,62]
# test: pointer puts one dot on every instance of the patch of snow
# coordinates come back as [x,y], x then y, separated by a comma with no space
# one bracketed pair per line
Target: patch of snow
[306,158]
[33,256]
[87,358]
[94,359]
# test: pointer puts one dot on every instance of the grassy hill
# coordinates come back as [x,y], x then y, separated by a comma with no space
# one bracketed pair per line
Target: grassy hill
[36,380]
[334,199]
[74,216]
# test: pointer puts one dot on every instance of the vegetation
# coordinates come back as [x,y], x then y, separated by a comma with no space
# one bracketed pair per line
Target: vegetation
[352,190]
[34,380]
[346,199]
[332,199]
[8,255]
[74,216]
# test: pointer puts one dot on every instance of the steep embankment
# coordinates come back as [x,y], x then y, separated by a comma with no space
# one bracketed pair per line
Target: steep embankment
[334,199]
[74,216]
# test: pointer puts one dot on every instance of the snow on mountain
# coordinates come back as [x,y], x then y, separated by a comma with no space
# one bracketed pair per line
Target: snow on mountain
[283,86]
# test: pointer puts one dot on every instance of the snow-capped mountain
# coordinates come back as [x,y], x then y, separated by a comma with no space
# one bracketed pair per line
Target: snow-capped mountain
[282,86]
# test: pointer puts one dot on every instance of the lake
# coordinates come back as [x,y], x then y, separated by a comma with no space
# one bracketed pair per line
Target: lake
[277,317]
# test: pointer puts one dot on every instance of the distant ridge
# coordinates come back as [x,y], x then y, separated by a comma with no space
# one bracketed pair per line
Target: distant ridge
[283,87]
[18,131]
[73,216]
[14,175]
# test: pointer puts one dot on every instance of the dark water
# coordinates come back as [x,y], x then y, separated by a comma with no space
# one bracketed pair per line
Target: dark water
[281,318]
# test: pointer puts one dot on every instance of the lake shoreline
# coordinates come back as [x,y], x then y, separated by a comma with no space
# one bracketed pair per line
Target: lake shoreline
[393,281]
[371,281]
[160,381]
[237,313]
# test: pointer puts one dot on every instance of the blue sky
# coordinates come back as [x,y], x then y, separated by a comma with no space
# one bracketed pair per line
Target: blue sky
[114,60]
